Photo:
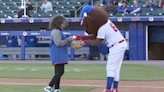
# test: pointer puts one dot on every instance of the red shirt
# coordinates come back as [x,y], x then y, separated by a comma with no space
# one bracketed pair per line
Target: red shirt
[162,4]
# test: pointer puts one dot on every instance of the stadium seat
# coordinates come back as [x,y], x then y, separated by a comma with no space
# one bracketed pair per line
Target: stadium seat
[70,8]
[65,13]
[16,0]
[110,15]
[18,4]
[41,12]
[82,1]
[3,16]
[4,8]
[65,3]
[9,4]
[7,12]
[119,15]
[2,4]
[156,13]
[6,1]
[144,14]
[55,3]
[34,15]
[14,8]
[76,4]
[59,8]
[39,1]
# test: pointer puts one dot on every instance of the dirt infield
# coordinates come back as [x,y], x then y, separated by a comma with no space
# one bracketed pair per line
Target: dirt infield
[124,86]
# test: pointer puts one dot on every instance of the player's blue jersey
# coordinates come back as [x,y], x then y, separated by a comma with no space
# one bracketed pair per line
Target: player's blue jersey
[31,41]
[58,55]
[135,7]
[12,42]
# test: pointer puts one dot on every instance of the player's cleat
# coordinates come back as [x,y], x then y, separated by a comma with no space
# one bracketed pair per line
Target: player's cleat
[49,89]
[115,90]
[57,91]
[107,90]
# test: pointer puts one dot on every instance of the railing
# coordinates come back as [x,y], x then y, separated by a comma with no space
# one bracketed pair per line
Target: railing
[23,34]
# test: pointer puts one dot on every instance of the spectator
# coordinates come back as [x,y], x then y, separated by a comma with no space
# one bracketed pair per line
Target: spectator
[161,4]
[110,9]
[136,8]
[102,6]
[104,51]
[120,3]
[28,7]
[115,2]
[151,4]
[31,42]
[12,42]
[37,7]
[46,6]
[124,8]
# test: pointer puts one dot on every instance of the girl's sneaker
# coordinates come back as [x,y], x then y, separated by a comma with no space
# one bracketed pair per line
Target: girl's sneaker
[57,90]
[49,89]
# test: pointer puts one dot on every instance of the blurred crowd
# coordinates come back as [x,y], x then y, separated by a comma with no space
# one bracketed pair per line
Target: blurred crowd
[122,6]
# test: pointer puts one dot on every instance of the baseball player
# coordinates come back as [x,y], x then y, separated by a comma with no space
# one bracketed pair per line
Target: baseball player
[12,42]
[114,40]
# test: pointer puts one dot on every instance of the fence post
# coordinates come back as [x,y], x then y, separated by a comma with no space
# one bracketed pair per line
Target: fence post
[22,47]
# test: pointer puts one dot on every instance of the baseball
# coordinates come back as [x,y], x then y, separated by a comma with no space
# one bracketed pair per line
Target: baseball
[74,37]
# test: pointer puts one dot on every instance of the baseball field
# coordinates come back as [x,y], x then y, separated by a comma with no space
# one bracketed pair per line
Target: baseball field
[80,76]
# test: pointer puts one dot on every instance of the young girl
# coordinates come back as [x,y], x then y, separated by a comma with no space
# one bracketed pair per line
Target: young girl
[58,51]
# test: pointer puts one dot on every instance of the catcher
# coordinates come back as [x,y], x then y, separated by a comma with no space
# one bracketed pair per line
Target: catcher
[96,23]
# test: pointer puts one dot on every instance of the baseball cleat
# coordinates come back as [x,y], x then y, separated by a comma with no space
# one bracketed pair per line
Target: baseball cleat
[115,90]
[107,90]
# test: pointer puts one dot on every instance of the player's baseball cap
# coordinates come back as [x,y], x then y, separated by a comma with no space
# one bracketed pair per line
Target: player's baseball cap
[87,9]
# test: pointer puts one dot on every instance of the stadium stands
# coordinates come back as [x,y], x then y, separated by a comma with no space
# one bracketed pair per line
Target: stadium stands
[62,7]
[66,8]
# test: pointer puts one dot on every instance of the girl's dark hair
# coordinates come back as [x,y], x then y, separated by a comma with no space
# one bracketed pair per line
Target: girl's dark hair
[56,21]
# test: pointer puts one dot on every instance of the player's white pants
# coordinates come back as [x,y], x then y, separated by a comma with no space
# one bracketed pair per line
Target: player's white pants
[102,56]
[115,58]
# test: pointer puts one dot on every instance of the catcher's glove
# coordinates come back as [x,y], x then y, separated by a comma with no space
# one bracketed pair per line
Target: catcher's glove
[77,44]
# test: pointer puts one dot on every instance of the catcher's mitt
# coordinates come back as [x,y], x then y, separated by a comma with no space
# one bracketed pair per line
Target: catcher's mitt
[77,44]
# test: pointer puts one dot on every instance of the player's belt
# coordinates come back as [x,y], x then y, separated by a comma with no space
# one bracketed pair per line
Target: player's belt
[119,42]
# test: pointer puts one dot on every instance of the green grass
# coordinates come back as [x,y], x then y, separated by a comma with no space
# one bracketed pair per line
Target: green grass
[38,88]
[131,72]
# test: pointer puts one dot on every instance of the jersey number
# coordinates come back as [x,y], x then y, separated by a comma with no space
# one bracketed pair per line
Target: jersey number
[114,27]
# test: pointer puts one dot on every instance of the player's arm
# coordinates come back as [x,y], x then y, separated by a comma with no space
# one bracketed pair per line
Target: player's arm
[96,42]
[91,37]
